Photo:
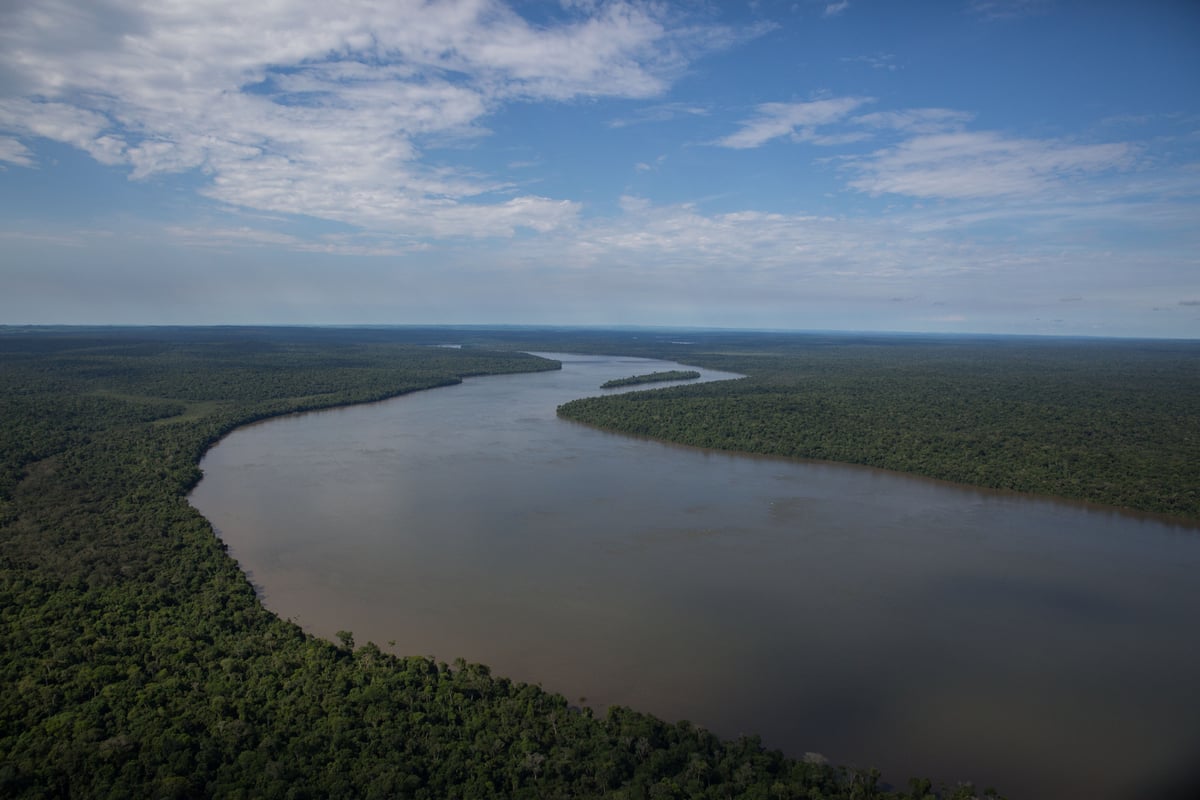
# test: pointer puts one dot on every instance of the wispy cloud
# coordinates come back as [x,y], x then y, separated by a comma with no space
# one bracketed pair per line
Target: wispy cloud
[797,121]
[1007,9]
[324,110]
[982,164]
[749,245]
[87,130]
[644,166]
[224,238]
[69,239]
[885,61]
[915,120]
[833,9]
[13,152]
[659,113]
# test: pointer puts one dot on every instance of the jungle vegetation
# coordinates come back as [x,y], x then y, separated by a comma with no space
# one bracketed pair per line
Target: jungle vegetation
[652,377]
[1107,421]
[136,660]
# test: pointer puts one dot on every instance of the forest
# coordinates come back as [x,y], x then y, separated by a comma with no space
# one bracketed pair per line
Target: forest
[136,660]
[1105,421]
[652,377]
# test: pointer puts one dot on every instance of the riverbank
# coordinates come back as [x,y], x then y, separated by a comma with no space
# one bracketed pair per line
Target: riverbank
[1108,422]
[138,661]
[462,511]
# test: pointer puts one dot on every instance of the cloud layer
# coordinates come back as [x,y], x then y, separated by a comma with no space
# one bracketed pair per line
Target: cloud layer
[982,164]
[322,109]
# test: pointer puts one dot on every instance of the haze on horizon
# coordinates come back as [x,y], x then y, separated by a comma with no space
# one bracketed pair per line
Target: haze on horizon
[999,166]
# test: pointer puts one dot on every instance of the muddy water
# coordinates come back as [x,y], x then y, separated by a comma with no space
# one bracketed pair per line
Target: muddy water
[1045,648]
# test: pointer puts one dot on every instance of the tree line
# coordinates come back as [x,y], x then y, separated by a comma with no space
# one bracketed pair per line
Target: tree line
[1111,422]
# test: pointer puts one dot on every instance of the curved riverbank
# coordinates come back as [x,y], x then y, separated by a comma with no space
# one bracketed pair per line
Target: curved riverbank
[137,661]
[1114,424]
[1172,520]
[469,509]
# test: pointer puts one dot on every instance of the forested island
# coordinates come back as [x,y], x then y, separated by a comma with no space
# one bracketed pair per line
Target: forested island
[136,660]
[652,377]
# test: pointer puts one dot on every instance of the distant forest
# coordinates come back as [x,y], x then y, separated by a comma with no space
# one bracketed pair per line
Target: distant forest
[136,661]
[1107,421]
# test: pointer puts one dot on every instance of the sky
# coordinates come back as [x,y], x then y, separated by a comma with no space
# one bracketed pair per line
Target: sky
[974,166]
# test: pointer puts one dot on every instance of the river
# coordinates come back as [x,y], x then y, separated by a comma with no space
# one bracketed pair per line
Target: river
[1046,648]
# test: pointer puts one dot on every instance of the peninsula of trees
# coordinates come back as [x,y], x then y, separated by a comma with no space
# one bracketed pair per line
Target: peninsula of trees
[136,660]
[652,377]
[1115,422]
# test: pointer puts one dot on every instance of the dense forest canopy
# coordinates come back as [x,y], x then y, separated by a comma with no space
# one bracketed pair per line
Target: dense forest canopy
[1107,421]
[136,661]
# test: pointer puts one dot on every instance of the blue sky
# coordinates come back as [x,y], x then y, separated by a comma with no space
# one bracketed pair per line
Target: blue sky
[1004,166]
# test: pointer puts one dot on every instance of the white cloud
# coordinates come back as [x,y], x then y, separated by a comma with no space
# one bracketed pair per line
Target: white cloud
[765,269]
[323,109]
[916,120]
[1007,9]
[982,164]
[878,61]
[226,238]
[659,113]
[540,214]
[13,152]
[833,9]
[618,51]
[62,122]
[795,120]
[725,249]
[644,166]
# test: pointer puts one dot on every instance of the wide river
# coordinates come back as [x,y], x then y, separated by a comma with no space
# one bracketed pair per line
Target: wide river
[1049,649]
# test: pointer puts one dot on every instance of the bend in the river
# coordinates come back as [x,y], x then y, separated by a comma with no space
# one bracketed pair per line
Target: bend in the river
[882,619]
